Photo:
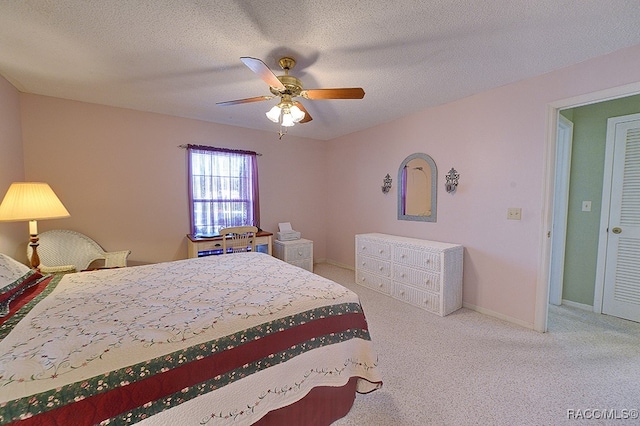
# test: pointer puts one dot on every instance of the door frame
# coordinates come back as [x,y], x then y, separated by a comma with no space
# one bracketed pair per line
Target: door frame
[564,143]
[603,235]
[549,160]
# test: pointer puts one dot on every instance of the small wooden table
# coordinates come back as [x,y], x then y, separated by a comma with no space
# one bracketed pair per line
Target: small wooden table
[196,245]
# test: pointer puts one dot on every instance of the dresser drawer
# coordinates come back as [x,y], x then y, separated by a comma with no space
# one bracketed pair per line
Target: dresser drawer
[298,252]
[417,278]
[373,248]
[375,282]
[426,274]
[304,264]
[376,266]
[417,257]
[210,245]
[420,298]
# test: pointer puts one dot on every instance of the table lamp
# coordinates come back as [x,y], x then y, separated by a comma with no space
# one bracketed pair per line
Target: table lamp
[31,201]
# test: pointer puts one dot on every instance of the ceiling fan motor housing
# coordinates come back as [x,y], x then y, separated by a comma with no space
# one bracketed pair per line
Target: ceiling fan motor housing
[292,85]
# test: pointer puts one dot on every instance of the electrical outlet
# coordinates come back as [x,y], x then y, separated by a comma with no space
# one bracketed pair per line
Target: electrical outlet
[514,213]
[586,206]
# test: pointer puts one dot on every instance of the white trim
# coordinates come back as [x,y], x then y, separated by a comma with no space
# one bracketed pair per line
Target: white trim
[582,306]
[341,265]
[597,97]
[544,259]
[497,315]
[544,256]
[564,142]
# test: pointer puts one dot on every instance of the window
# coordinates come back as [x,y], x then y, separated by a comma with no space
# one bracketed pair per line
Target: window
[223,189]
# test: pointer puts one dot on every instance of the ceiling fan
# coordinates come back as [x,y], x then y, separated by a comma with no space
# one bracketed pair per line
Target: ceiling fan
[287,88]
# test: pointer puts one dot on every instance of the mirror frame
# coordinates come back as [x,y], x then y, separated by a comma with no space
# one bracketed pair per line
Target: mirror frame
[434,189]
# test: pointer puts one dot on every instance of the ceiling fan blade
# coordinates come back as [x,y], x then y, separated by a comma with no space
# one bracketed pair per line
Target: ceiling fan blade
[263,71]
[345,93]
[307,116]
[245,101]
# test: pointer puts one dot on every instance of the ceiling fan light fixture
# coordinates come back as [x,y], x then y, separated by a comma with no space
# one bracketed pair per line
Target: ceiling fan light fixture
[286,114]
[287,119]
[296,113]
[274,114]
[287,87]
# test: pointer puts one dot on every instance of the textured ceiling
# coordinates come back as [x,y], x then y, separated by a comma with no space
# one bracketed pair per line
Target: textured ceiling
[181,57]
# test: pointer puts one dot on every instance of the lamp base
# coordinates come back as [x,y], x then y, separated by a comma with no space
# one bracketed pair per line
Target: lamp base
[35,259]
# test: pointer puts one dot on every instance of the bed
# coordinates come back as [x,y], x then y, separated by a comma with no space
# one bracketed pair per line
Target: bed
[233,339]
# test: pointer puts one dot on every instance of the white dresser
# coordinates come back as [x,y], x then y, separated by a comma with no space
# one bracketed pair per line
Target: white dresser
[427,274]
[296,252]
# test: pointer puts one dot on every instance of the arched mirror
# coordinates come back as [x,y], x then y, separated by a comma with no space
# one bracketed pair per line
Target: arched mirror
[417,177]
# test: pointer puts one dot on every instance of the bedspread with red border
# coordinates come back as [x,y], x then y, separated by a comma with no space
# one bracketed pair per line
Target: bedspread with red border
[225,323]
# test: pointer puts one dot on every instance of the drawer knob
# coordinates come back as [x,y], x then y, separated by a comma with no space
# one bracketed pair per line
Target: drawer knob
[402,275]
[425,301]
[362,279]
[382,268]
[402,293]
[380,285]
[299,253]
[428,282]
[403,256]
[381,251]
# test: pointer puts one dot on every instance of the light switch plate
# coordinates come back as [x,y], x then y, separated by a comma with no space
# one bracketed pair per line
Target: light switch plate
[586,206]
[514,213]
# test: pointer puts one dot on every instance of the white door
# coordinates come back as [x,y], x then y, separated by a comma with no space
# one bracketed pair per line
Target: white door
[621,295]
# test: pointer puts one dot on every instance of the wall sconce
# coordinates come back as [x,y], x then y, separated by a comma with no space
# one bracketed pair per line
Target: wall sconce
[386,184]
[452,181]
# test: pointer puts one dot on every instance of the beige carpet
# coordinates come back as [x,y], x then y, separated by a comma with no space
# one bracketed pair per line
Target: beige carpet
[472,369]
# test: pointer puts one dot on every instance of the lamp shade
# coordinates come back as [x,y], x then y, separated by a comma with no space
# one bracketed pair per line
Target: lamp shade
[31,201]
[296,113]
[274,114]
[287,119]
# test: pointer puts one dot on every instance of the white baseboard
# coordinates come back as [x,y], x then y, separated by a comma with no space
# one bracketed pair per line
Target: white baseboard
[497,315]
[577,305]
[340,265]
[464,305]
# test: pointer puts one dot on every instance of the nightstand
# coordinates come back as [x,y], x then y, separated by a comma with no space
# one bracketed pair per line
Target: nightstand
[296,252]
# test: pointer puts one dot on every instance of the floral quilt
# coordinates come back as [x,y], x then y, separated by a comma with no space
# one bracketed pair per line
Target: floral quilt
[215,340]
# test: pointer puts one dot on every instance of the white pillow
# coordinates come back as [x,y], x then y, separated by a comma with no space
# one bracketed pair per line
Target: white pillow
[11,270]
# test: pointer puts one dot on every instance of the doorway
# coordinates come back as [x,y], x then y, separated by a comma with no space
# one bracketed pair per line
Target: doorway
[545,278]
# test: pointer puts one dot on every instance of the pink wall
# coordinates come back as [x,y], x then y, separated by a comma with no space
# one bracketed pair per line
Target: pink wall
[123,178]
[496,140]
[13,236]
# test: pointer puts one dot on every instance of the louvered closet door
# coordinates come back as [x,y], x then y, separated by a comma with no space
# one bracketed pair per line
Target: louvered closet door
[621,296]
